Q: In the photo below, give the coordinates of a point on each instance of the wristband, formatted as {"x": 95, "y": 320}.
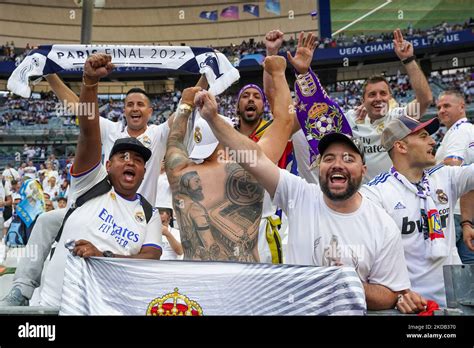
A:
{"x": 408, "y": 60}
{"x": 86, "y": 85}
{"x": 466, "y": 222}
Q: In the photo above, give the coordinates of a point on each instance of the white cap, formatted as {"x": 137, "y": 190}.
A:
{"x": 204, "y": 141}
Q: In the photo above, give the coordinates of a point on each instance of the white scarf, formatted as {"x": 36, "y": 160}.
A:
{"x": 435, "y": 241}
{"x": 51, "y": 59}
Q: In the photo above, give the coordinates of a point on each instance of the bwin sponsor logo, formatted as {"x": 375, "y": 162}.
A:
{"x": 37, "y": 331}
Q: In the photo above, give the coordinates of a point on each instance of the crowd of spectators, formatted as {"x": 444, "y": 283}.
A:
{"x": 26, "y": 112}
{"x": 9, "y": 52}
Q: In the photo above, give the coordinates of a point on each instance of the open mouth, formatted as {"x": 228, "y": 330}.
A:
{"x": 379, "y": 106}
{"x": 129, "y": 175}
{"x": 135, "y": 116}
{"x": 251, "y": 108}
{"x": 338, "y": 178}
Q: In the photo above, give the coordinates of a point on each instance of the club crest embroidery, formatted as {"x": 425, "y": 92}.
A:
{"x": 174, "y": 304}
{"x": 197, "y": 135}
{"x": 442, "y": 197}
{"x": 322, "y": 119}
{"x": 307, "y": 85}
{"x": 139, "y": 216}
{"x": 146, "y": 141}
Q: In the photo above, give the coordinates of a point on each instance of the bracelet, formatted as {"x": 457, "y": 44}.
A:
{"x": 89, "y": 86}
{"x": 408, "y": 60}
{"x": 466, "y": 222}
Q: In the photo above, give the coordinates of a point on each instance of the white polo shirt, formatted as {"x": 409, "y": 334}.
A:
{"x": 447, "y": 184}
{"x": 109, "y": 222}
{"x": 369, "y": 134}
{"x": 366, "y": 239}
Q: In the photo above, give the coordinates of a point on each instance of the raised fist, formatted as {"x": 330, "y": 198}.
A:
{"x": 273, "y": 41}
{"x": 274, "y": 65}
{"x": 207, "y": 105}
{"x": 189, "y": 94}
{"x": 98, "y": 65}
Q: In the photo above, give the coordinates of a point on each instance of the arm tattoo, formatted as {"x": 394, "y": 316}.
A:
{"x": 176, "y": 152}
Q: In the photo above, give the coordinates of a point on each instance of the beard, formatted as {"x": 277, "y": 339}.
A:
{"x": 353, "y": 186}
{"x": 196, "y": 195}
{"x": 250, "y": 119}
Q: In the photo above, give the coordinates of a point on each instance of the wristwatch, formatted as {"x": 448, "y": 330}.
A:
{"x": 108, "y": 253}
{"x": 184, "y": 106}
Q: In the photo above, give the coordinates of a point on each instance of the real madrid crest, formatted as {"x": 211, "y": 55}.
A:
{"x": 146, "y": 141}
{"x": 197, "y": 135}
{"x": 442, "y": 197}
{"x": 112, "y": 195}
{"x": 139, "y": 217}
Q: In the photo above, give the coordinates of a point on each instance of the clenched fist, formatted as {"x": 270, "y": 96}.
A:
{"x": 97, "y": 65}
{"x": 274, "y": 65}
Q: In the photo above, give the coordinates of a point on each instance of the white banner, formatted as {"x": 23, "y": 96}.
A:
{"x": 114, "y": 286}
{"x": 51, "y": 59}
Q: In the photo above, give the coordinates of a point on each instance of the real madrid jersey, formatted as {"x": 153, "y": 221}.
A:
{"x": 109, "y": 222}
{"x": 369, "y": 134}
{"x": 154, "y": 138}
{"x": 446, "y": 184}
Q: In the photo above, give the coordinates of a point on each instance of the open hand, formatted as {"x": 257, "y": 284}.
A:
{"x": 303, "y": 57}
{"x": 403, "y": 48}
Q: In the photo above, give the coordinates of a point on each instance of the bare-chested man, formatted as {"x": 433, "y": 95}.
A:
{"x": 218, "y": 204}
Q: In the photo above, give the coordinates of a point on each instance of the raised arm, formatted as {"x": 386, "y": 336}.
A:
{"x": 177, "y": 156}
{"x": 273, "y": 42}
{"x": 202, "y": 84}
{"x": 89, "y": 146}
{"x": 404, "y": 49}
{"x": 264, "y": 170}
{"x": 275, "y": 139}
{"x": 301, "y": 62}
{"x": 63, "y": 92}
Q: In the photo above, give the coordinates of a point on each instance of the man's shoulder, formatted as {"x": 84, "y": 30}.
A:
{"x": 380, "y": 180}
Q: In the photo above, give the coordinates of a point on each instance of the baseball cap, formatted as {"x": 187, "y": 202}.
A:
{"x": 132, "y": 144}
{"x": 204, "y": 140}
{"x": 400, "y": 127}
{"x": 332, "y": 138}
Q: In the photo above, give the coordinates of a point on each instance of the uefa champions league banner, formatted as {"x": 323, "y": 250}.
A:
{"x": 114, "y": 286}
{"x": 51, "y": 59}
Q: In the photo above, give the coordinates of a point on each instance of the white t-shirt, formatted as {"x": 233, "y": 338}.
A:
{"x": 455, "y": 145}
{"x": 366, "y": 239}
{"x": 446, "y": 184}
{"x": 369, "y": 134}
{"x": 154, "y": 138}
{"x": 456, "y": 142}
{"x": 168, "y": 252}
{"x": 113, "y": 223}
{"x": 4, "y": 191}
